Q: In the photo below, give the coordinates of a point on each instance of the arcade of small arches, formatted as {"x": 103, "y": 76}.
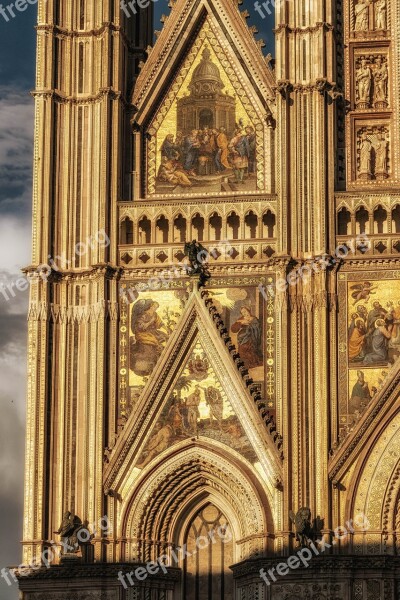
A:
{"x": 215, "y": 227}
{"x": 377, "y": 220}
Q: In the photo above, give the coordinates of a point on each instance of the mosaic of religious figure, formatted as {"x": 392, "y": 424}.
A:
{"x": 249, "y": 333}
{"x": 207, "y": 141}
{"x": 373, "y": 336}
{"x": 152, "y": 318}
{"x": 364, "y": 384}
{"x": 149, "y": 336}
{"x": 197, "y": 409}
{"x": 241, "y": 310}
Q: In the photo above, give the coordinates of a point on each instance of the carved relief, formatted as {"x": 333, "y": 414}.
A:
{"x": 361, "y": 13}
{"x": 380, "y": 14}
{"x": 74, "y": 595}
{"x": 381, "y": 76}
{"x": 371, "y": 82}
{"x": 373, "y": 156}
{"x": 311, "y": 591}
{"x": 370, "y": 16}
{"x": 363, "y": 84}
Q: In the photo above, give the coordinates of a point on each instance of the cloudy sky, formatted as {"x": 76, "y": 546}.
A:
{"x": 17, "y": 72}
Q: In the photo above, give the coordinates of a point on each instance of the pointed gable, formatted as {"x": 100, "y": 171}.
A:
{"x": 204, "y": 102}
{"x": 197, "y": 391}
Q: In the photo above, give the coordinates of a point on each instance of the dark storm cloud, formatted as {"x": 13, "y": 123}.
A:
{"x": 12, "y": 433}
{"x": 13, "y": 333}
{"x": 17, "y": 72}
{"x": 16, "y": 138}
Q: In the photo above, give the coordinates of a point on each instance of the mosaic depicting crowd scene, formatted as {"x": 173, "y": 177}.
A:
{"x": 207, "y": 152}
{"x": 374, "y": 335}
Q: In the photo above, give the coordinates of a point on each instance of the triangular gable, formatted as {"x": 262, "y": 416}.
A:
{"x": 197, "y": 407}
{"x": 204, "y": 117}
{"x": 228, "y": 28}
{"x": 196, "y": 334}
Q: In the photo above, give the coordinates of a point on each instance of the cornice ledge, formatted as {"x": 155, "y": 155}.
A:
{"x": 63, "y": 31}
{"x": 382, "y": 404}
{"x": 57, "y": 96}
{"x": 102, "y": 269}
{"x": 309, "y": 29}
{"x": 371, "y": 261}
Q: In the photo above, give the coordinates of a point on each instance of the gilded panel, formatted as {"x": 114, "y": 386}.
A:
{"x": 149, "y": 317}
{"x": 206, "y": 136}
{"x": 369, "y": 338}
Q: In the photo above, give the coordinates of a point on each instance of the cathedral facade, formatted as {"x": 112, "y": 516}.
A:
{"x": 235, "y": 435}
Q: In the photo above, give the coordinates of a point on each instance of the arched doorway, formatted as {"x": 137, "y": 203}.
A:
{"x": 209, "y": 547}
{"x": 206, "y": 119}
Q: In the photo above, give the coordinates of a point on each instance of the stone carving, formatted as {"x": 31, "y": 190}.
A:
{"x": 380, "y": 83}
{"x": 381, "y": 158}
{"x": 365, "y": 158}
{"x": 69, "y": 531}
{"x": 74, "y": 595}
{"x": 373, "y": 153}
{"x": 380, "y": 15}
{"x": 363, "y": 84}
{"x": 304, "y": 530}
{"x": 198, "y": 256}
{"x": 361, "y": 13}
{"x": 308, "y": 591}
{"x": 373, "y": 589}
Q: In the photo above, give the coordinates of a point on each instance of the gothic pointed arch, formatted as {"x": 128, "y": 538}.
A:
{"x": 375, "y": 487}
{"x": 161, "y": 505}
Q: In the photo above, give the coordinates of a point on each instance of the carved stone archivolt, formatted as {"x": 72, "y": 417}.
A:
{"x": 148, "y": 515}
{"x": 373, "y": 481}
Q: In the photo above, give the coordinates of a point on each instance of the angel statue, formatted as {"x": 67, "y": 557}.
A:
{"x": 198, "y": 256}
{"x": 303, "y": 525}
{"x": 68, "y": 531}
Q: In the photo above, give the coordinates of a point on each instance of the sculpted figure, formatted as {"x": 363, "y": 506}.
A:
{"x": 363, "y": 83}
{"x": 304, "y": 529}
{"x": 380, "y": 82}
{"x": 380, "y": 14}
{"x": 68, "y": 531}
{"x": 381, "y": 156}
{"x": 361, "y": 12}
{"x": 365, "y": 157}
{"x": 198, "y": 257}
